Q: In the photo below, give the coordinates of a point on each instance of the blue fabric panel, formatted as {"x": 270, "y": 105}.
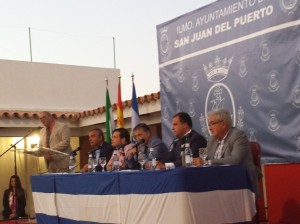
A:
{"x": 46, "y": 219}
{"x": 70, "y": 221}
{"x": 193, "y": 179}
{"x": 88, "y": 183}
{"x": 201, "y": 179}
{"x": 218, "y": 56}
{"x": 43, "y": 183}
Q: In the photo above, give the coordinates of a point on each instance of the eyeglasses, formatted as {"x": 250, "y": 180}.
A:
{"x": 212, "y": 123}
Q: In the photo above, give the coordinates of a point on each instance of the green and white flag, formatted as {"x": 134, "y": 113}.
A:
{"x": 110, "y": 123}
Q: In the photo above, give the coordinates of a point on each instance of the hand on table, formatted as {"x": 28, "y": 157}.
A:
{"x": 198, "y": 161}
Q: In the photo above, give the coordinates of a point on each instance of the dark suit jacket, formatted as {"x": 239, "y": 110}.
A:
{"x": 106, "y": 151}
{"x": 21, "y": 203}
{"x": 196, "y": 141}
{"x": 236, "y": 150}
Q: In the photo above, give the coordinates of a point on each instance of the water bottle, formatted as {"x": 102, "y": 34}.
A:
{"x": 115, "y": 161}
{"x": 188, "y": 154}
{"x": 182, "y": 158}
{"x": 152, "y": 159}
{"x": 97, "y": 153}
{"x": 72, "y": 164}
{"x": 90, "y": 163}
{"x": 96, "y": 161}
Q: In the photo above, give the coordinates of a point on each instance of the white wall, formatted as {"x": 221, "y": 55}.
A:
{"x": 39, "y": 86}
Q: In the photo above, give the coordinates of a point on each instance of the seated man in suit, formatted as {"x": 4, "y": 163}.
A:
{"x": 160, "y": 150}
{"x": 97, "y": 142}
{"x": 121, "y": 143}
{"x": 229, "y": 145}
{"x": 182, "y": 129}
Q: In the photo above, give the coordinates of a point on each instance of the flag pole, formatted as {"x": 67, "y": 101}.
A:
{"x": 120, "y": 118}
{"x": 135, "y": 120}
{"x": 114, "y": 50}
{"x": 110, "y": 126}
{"x": 30, "y": 47}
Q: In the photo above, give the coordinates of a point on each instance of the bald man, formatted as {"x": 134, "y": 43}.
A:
{"x": 56, "y": 136}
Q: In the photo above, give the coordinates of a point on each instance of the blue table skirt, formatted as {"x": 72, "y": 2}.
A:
{"x": 126, "y": 197}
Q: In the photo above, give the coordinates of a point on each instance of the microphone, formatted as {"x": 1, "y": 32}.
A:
{"x": 75, "y": 151}
{"x": 138, "y": 143}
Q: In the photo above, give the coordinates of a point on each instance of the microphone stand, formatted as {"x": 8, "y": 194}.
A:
{"x": 15, "y": 149}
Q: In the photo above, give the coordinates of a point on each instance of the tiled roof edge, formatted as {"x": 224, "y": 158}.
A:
{"x": 74, "y": 116}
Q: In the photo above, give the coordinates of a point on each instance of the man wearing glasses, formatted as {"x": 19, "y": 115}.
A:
{"x": 229, "y": 145}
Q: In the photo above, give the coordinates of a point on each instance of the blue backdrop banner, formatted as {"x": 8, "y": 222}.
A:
{"x": 243, "y": 55}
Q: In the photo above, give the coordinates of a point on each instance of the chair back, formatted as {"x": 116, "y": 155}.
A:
{"x": 260, "y": 202}
{"x": 256, "y": 153}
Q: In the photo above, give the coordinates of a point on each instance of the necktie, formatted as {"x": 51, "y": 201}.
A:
{"x": 218, "y": 153}
{"x": 146, "y": 150}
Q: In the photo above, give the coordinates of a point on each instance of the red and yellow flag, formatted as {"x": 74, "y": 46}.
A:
{"x": 120, "y": 119}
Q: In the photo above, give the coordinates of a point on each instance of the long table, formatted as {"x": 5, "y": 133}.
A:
{"x": 218, "y": 194}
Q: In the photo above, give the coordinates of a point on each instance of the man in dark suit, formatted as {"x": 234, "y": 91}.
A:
{"x": 97, "y": 142}
{"x": 182, "y": 128}
{"x": 96, "y": 139}
{"x": 123, "y": 150}
{"x": 229, "y": 145}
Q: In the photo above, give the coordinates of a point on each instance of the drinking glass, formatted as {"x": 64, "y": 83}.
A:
{"x": 203, "y": 155}
{"x": 142, "y": 159}
{"x": 102, "y": 161}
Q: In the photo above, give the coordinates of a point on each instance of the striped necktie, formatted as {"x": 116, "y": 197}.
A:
{"x": 219, "y": 151}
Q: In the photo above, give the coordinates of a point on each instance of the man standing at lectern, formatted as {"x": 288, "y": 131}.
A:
{"x": 55, "y": 136}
